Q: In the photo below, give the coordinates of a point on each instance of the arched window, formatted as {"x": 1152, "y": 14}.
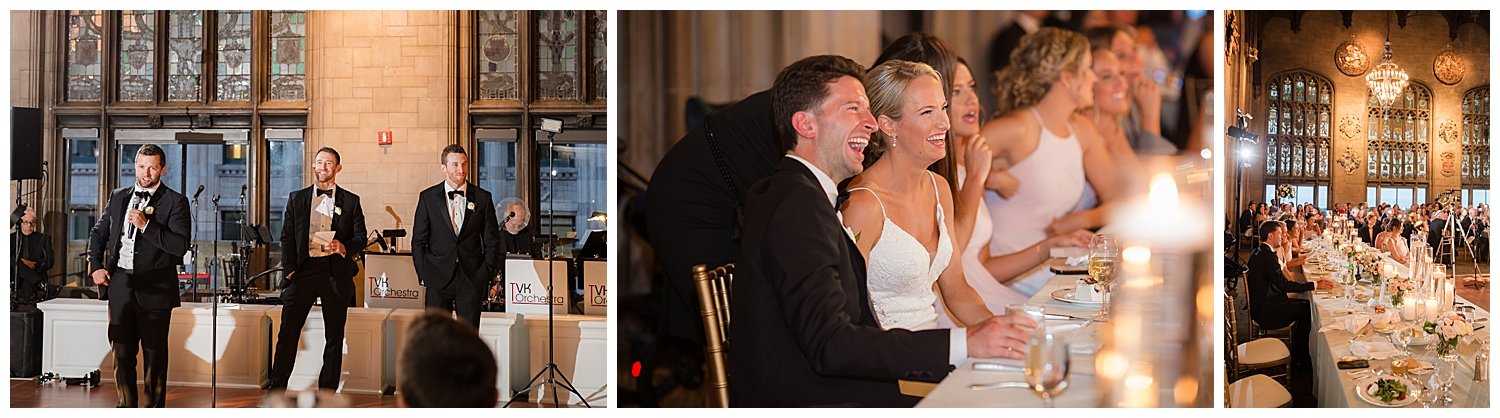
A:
{"x": 1398, "y": 138}
{"x": 1476, "y": 140}
{"x": 1298, "y": 119}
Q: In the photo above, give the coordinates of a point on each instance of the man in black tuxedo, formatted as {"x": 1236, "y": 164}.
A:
{"x": 803, "y": 333}
{"x": 455, "y": 240}
{"x": 1269, "y": 305}
{"x": 33, "y": 251}
{"x": 134, "y": 251}
{"x": 1370, "y": 228}
{"x": 321, "y": 239}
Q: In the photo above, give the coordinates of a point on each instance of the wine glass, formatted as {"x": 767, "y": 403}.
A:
{"x": 1047, "y": 363}
{"x": 1402, "y": 337}
{"x": 1104, "y": 256}
{"x": 1442, "y": 381}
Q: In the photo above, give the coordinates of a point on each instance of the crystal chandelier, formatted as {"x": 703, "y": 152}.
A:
{"x": 1387, "y": 80}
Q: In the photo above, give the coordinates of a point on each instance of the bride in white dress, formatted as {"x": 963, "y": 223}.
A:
{"x": 899, "y": 212}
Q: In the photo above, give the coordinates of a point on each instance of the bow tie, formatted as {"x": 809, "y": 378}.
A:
{"x": 328, "y": 192}
{"x": 455, "y": 192}
{"x": 143, "y": 194}
{"x": 842, "y": 197}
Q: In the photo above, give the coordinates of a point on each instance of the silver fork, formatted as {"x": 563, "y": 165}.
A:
{"x": 1000, "y": 385}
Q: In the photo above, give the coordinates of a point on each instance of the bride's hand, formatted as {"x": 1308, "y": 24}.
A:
{"x": 999, "y": 337}
{"x": 1079, "y": 238}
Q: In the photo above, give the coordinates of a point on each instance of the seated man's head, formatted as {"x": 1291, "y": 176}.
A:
{"x": 1271, "y": 232}
{"x": 822, "y": 114}
{"x": 28, "y": 222}
{"x": 444, "y": 364}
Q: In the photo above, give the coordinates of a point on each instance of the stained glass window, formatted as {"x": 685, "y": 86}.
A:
{"x": 557, "y": 54}
{"x": 234, "y": 56}
{"x": 84, "y": 72}
{"x": 184, "y": 55}
{"x": 1298, "y": 117}
{"x": 601, "y": 54}
{"x": 498, "y": 47}
{"x": 1399, "y": 140}
{"x": 1476, "y": 137}
{"x": 137, "y": 55}
{"x": 288, "y": 55}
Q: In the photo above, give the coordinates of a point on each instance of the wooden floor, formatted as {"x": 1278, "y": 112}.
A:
{"x": 26, "y": 393}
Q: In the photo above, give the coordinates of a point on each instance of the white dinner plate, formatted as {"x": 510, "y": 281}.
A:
{"x": 1066, "y": 295}
{"x": 1362, "y": 385}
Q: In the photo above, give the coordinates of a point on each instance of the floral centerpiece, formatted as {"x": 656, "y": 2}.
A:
{"x": 1397, "y": 288}
{"x": 1448, "y": 328}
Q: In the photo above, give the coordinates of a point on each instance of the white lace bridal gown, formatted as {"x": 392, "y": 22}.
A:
{"x": 902, "y": 273}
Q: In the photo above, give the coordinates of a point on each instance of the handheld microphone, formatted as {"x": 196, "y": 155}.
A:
{"x": 512, "y": 214}
{"x": 199, "y": 192}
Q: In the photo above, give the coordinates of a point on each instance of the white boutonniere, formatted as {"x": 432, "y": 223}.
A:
{"x": 338, "y": 211}
{"x": 150, "y": 210}
{"x": 471, "y": 205}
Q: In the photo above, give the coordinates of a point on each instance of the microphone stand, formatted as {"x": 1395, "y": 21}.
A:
{"x": 550, "y": 370}
{"x": 213, "y": 382}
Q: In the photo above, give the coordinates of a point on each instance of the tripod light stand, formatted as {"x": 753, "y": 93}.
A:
{"x": 552, "y": 127}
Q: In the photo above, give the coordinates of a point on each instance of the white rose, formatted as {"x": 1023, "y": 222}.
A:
{"x": 1463, "y": 328}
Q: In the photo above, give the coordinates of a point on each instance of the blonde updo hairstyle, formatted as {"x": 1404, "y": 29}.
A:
{"x": 886, "y": 87}
{"x": 1036, "y": 64}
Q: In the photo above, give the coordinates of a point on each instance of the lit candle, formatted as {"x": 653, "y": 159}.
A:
{"x": 1409, "y": 310}
{"x": 1431, "y": 308}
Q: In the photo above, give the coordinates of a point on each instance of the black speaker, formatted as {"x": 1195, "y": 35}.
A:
{"x": 25, "y": 341}
{"x": 26, "y": 143}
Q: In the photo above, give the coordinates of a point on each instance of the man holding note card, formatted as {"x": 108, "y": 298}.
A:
{"x": 323, "y": 233}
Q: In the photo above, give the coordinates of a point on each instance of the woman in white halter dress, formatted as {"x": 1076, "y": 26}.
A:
{"x": 1053, "y": 151}
{"x": 899, "y": 212}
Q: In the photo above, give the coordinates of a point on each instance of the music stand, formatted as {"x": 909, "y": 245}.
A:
{"x": 550, "y": 370}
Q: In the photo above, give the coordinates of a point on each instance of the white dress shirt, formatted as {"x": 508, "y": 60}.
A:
{"x": 127, "y": 240}
{"x": 457, "y": 204}
{"x": 958, "y": 341}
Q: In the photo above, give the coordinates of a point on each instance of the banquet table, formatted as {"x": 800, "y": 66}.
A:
{"x": 1329, "y": 340}
{"x": 954, "y": 391}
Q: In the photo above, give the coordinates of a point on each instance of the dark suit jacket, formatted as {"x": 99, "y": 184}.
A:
{"x": 348, "y": 229}
{"x": 158, "y": 248}
{"x": 1435, "y": 230}
{"x": 35, "y": 247}
{"x": 690, "y": 210}
{"x": 1269, "y": 305}
{"x": 475, "y": 250}
{"x": 1367, "y": 235}
{"x": 803, "y": 333}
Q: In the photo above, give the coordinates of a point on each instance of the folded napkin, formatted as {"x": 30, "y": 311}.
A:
{"x": 1069, "y": 252}
{"x": 1372, "y": 350}
{"x": 1351, "y": 323}
{"x": 1077, "y": 261}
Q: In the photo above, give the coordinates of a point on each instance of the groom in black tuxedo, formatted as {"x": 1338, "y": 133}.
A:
{"x": 1269, "y": 305}
{"x": 456, "y": 240}
{"x": 318, "y": 269}
{"x": 134, "y": 251}
{"x": 803, "y": 333}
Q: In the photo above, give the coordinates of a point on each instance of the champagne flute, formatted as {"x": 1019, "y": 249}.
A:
{"x": 1047, "y": 364}
{"x": 1104, "y": 256}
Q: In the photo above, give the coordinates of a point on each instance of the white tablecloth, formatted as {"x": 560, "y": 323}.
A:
{"x": 954, "y": 391}
{"x": 1335, "y": 388}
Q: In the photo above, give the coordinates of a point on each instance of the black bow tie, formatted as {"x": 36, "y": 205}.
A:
{"x": 843, "y": 196}
{"x": 328, "y": 192}
{"x": 143, "y": 194}
{"x": 451, "y": 193}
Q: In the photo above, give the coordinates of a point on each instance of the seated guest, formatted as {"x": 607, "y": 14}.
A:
{"x": 1269, "y": 305}
{"x": 1391, "y": 242}
{"x": 1370, "y": 228}
{"x": 444, "y": 364}
{"x": 34, "y": 250}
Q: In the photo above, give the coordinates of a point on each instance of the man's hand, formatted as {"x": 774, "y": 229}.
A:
{"x": 1324, "y": 284}
{"x": 336, "y": 247}
{"x": 101, "y": 277}
{"x": 1000, "y": 337}
{"x": 29, "y": 264}
{"x": 137, "y": 218}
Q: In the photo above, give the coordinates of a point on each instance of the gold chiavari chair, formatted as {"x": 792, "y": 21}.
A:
{"x": 713, "y": 296}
